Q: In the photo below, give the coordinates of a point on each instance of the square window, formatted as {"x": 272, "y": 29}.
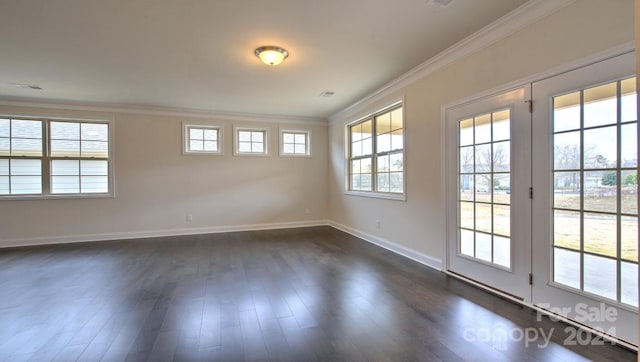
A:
{"x": 251, "y": 141}
{"x": 295, "y": 143}
{"x": 202, "y": 139}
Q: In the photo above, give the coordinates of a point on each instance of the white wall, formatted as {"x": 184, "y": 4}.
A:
{"x": 156, "y": 185}
{"x": 583, "y": 28}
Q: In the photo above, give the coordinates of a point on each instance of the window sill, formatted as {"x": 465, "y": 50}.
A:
{"x": 55, "y": 197}
{"x": 295, "y": 155}
{"x": 202, "y": 153}
{"x": 250, "y": 154}
{"x": 377, "y": 195}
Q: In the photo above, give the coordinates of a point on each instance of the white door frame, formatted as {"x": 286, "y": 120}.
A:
{"x": 594, "y": 58}
{"x": 511, "y": 280}
{"x": 546, "y": 292}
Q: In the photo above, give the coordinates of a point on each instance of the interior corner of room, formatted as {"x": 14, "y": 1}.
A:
{"x": 183, "y": 169}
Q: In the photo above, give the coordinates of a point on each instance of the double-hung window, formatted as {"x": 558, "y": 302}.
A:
{"x": 376, "y": 153}
{"x": 40, "y": 157}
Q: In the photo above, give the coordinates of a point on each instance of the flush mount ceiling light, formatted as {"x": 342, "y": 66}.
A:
{"x": 271, "y": 55}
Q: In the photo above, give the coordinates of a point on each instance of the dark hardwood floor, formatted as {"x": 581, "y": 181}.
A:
{"x": 298, "y": 294}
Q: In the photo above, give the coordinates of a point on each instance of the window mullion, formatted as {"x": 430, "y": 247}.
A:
{"x": 9, "y": 173}
{"x": 10, "y": 154}
{"x": 619, "y": 194}
{"x": 582, "y": 183}
{"x": 374, "y": 155}
{"x": 45, "y": 159}
{"x": 80, "y": 170}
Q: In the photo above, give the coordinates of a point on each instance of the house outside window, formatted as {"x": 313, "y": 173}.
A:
{"x": 54, "y": 158}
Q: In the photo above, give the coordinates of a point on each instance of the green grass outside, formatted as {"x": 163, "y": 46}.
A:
{"x": 629, "y": 203}
{"x": 599, "y": 230}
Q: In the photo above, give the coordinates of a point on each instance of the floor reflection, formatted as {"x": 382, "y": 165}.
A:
{"x": 301, "y": 294}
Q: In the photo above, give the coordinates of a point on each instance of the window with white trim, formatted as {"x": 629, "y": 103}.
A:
{"x": 295, "y": 143}
{"x": 251, "y": 141}
{"x": 40, "y": 157}
{"x": 595, "y": 190}
{"x": 376, "y": 153}
{"x": 202, "y": 139}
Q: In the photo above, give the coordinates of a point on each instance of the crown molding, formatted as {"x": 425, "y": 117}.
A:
{"x": 523, "y": 16}
{"x": 613, "y": 52}
{"x": 164, "y": 111}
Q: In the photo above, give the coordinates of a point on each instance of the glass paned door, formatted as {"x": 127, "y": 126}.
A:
{"x": 488, "y": 223}
{"x": 595, "y": 210}
{"x": 485, "y": 186}
{"x": 585, "y": 218}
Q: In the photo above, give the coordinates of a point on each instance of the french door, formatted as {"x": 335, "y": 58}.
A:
{"x": 585, "y": 208}
{"x": 488, "y": 178}
{"x": 543, "y": 200}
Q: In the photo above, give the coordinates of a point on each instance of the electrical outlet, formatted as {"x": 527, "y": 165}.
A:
{"x": 378, "y": 224}
{"x": 189, "y": 217}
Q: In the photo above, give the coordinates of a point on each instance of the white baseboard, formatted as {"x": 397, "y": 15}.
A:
{"x": 424, "y": 259}
{"x": 157, "y": 233}
{"x": 421, "y": 258}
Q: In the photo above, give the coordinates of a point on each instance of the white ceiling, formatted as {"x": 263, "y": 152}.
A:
{"x": 198, "y": 54}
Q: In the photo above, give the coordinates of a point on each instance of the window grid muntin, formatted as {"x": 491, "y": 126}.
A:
{"x": 203, "y": 140}
{"x": 473, "y": 174}
{"x": 304, "y": 144}
{"x": 373, "y": 156}
{"x": 79, "y": 158}
{"x": 380, "y": 132}
{"x": 10, "y": 176}
{"x": 362, "y": 156}
{"x": 10, "y": 157}
{"x": 253, "y": 144}
{"x": 81, "y": 140}
{"x": 618, "y": 169}
{"x": 80, "y": 175}
{"x": 11, "y": 138}
{"x": 46, "y": 160}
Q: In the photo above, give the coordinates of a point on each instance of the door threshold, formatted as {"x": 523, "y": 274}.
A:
{"x": 487, "y": 287}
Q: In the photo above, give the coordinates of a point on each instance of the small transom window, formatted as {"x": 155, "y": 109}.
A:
{"x": 295, "y": 143}
{"x": 202, "y": 139}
